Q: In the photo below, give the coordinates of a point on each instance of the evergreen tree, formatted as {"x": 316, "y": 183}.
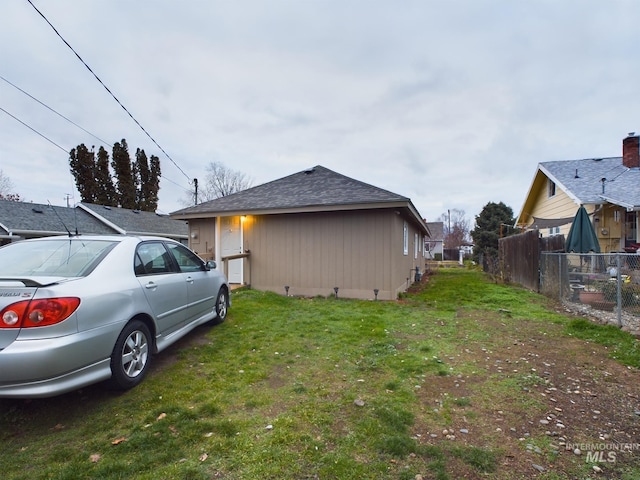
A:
{"x": 491, "y": 224}
{"x": 147, "y": 181}
{"x": 106, "y": 192}
{"x": 153, "y": 185}
{"x": 82, "y": 164}
{"x": 134, "y": 185}
{"x": 141, "y": 174}
{"x": 124, "y": 173}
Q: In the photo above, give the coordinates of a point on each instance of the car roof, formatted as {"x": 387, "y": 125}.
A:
{"x": 114, "y": 238}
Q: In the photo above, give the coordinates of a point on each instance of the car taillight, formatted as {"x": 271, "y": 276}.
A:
{"x": 38, "y": 313}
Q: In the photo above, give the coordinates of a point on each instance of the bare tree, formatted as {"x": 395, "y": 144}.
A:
{"x": 456, "y": 228}
{"x": 219, "y": 181}
{"x": 6, "y": 187}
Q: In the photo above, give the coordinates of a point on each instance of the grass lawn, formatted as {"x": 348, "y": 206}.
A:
{"x": 461, "y": 378}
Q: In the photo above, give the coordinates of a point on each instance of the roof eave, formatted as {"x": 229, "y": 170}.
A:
{"x": 630, "y": 207}
{"x": 308, "y": 209}
{"x": 159, "y": 234}
{"x": 563, "y": 187}
{"x": 47, "y": 233}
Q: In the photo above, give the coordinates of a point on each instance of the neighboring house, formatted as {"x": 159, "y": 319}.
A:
{"x": 137, "y": 222}
{"x": 310, "y": 233}
{"x": 434, "y": 245}
{"x": 21, "y": 220}
{"x": 609, "y": 188}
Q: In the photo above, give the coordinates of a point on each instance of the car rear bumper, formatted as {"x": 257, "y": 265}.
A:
{"x": 48, "y": 367}
{"x": 57, "y": 385}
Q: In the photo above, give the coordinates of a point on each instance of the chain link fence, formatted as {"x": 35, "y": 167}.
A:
{"x": 605, "y": 281}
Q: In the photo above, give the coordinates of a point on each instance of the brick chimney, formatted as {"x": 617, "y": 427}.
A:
{"x": 631, "y": 151}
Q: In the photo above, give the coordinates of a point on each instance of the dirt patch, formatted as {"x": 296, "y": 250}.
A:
{"x": 550, "y": 403}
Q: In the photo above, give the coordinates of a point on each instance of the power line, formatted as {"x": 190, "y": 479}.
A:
{"x": 107, "y": 89}
{"x": 34, "y": 130}
{"x": 106, "y": 144}
{"x": 66, "y": 151}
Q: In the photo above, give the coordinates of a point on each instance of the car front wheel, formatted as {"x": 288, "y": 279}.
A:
{"x": 221, "y": 304}
{"x": 131, "y": 356}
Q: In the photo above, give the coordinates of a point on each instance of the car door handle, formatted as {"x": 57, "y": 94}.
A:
{"x": 189, "y": 280}
{"x": 150, "y": 286}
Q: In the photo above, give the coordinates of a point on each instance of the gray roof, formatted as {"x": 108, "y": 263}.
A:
{"x": 33, "y": 219}
{"x": 315, "y": 187}
{"x": 437, "y": 230}
{"x": 36, "y": 220}
{"x": 582, "y": 181}
{"x": 136, "y": 222}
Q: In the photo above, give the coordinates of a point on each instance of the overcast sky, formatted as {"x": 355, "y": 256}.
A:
{"x": 451, "y": 103}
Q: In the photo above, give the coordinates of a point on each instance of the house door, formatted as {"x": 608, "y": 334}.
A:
{"x": 231, "y": 244}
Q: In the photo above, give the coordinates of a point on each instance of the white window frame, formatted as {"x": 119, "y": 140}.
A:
{"x": 405, "y": 239}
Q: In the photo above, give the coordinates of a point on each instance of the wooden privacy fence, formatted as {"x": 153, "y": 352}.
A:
{"x": 520, "y": 257}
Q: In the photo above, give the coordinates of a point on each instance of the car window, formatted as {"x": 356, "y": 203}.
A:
{"x": 187, "y": 260}
{"x": 152, "y": 258}
{"x": 73, "y": 257}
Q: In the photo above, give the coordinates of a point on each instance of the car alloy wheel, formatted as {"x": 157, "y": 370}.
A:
{"x": 221, "y": 304}
{"x": 131, "y": 355}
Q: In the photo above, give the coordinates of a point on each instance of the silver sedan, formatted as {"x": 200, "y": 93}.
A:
{"x": 82, "y": 309}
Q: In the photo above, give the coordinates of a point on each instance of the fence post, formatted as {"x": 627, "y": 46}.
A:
{"x": 560, "y": 277}
{"x": 618, "y": 290}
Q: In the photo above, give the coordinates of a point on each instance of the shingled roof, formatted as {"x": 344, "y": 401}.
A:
{"x": 596, "y": 180}
{"x": 317, "y": 188}
{"x": 24, "y": 219}
{"x": 136, "y": 222}
{"x": 29, "y": 220}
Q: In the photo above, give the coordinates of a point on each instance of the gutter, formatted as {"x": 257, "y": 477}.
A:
{"x": 628, "y": 206}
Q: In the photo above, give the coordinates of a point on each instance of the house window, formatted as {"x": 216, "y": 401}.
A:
{"x": 631, "y": 235}
{"x": 416, "y": 241}
{"x": 552, "y": 188}
{"x": 406, "y": 238}
{"x": 554, "y": 231}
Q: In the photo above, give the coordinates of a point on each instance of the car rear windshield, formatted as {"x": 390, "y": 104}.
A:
{"x": 70, "y": 257}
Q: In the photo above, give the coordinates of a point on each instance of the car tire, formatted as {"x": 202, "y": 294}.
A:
{"x": 222, "y": 305}
{"x": 131, "y": 356}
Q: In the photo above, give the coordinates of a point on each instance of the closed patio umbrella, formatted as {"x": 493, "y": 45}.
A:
{"x": 582, "y": 236}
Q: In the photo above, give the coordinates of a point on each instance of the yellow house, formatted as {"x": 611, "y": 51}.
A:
{"x": 609, "y": 188}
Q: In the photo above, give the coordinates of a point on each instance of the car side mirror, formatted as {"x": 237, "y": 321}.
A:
{"x": 211, "y": 265}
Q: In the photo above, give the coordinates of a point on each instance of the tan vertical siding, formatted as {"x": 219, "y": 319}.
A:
{"x": 204, "y": 244}
{"x": 314, "y": 252}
